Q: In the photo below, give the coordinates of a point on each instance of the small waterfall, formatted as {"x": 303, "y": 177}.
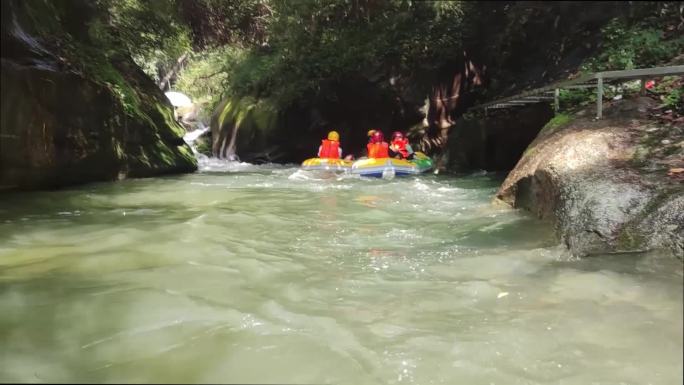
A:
{"x": 191, "y": 136}
{"x": 206, "y": 163}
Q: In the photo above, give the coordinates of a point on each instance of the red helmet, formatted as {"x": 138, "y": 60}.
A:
{"x": 397, "y": 135}
{"x": 378, "y": 137}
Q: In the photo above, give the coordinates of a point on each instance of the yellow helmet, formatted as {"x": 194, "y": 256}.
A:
{"x": 333, "y": 135}
{"x": 371, "y": 132}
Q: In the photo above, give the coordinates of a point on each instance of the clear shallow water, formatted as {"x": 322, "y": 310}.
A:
{"x": 246, "y": 274}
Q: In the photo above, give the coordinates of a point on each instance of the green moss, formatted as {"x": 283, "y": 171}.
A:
{"x": 48, "y": 20}
{"x": 529, "y": 151}
{"x": 167, "y": 115}
{"x": 203, "y": 147}
{"x": 630, "y": 240}
{"x": 262, "y": 114}
{"x": 557, "y": 121}
{"x": 123, "y": 127}
{"x": 186, "y": 153}
{"x": 227, "y": 109}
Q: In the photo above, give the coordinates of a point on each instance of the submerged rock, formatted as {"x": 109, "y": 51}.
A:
{"x": 70, "y": 114}
{"x": 593, "y": 179}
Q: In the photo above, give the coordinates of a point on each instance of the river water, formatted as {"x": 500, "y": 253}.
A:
{"x": 264, "y": 274}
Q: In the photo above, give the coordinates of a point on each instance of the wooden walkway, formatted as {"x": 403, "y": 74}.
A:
{"x": 596, "y": 80}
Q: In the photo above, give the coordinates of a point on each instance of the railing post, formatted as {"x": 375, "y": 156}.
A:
{"x": 556, "y": 103}
{"x": 599, "y": 96}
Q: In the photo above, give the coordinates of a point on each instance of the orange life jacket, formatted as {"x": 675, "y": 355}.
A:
{"x": 330, "y": 149}
{"x": 377, "y": 150}
{"x": 400, "y": 147}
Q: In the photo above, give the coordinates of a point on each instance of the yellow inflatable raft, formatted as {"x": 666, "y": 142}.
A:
{"x": 326, "y": 164}
{"x": 390, "y": 167}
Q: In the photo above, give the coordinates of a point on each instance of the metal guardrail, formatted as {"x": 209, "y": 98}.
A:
{"x": 595, "y": 80}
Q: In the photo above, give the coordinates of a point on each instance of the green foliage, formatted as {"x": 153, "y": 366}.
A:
{"x": 559, "y": 120}
{"x": 675, "y": 99}
{"x": 571, "y": 98}
{"x": 293, "y": 48}
{"x": 318, "y": 41}
{"x": 150, "y": 30}
{"x": 216, "y": 23}
{"x": 671, "y": 90}
{"x": 644, "y": 42}
{"x": 236, "y": 110}
{"x": 207, "y": 75}
{"x": 298, "y": 51}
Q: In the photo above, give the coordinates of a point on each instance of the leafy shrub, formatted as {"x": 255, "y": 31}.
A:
{"x": 644, "y": 41}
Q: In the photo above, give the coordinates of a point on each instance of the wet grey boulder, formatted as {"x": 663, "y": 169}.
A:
{"x": 592, "y": 180}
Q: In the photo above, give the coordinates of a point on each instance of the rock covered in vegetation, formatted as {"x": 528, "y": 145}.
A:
{"x": 604, "y": 183}
{"x": 247, "y": 124}
{"x": 74, "y": 111}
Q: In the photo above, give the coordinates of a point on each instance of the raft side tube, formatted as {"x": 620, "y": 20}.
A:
{"x": 326, "y": 164}
{"x": 401, "y": 167}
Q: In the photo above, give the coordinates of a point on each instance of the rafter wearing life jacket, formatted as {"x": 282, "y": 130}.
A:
{"x": 399, "y": 145}
{"x": 378, "y": 148}
{"x": 330, "y": 148}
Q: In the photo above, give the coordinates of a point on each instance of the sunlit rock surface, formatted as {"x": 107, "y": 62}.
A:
{"x": 604, "y": 183}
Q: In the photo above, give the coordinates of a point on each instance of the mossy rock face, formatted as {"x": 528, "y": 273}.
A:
{"x": 203, "y": 144}
{"x": 247, "y": 128}
{"x": 62, "y": 125}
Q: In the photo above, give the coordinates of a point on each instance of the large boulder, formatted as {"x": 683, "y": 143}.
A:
{"x": 604, "y": 183}
{"x": 72, "y": 115}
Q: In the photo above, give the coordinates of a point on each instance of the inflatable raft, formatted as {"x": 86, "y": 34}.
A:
{"x": 390, "y": 167}
{"x": 320, "y": 164}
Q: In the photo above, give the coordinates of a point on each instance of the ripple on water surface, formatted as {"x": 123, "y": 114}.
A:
{"x": 264, "y": 274}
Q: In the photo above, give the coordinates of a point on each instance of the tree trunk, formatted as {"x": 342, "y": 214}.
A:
{"x": 164, "y": 82}
{"x": 446, "y": 100}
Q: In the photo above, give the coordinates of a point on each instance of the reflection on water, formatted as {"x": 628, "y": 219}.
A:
{"x": 263, "y": 274}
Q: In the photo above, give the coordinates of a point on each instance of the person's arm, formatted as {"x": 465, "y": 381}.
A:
{"x": 319, "y": 150}
{"x": 339, "y": 149}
